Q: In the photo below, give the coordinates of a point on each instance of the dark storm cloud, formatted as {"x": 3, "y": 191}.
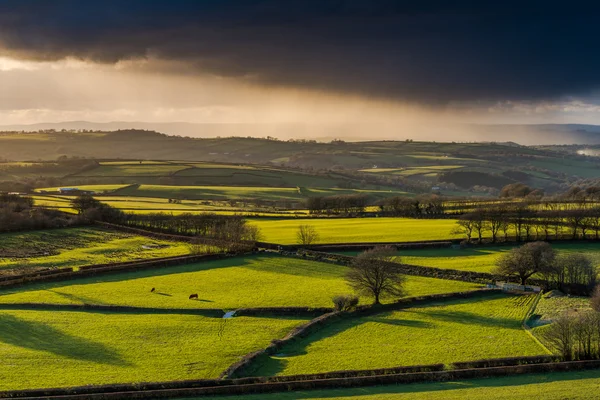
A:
{"x": 430, "y": 52}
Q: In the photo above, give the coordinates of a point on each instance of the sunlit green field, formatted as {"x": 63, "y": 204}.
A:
{"x": 582, "y": 385}
{"x": 251, "y": 281}
{"x": 357, "y": 230}
{"x": 480, "y": 258}
{"x": 57, "y": 349}
{"x": 122, "y": 170}
{"x": 445, "y": 332}
{"x": 73, "y": 247}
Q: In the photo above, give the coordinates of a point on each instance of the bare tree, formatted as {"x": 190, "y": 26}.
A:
{"x": 465, "y": 227}
{"x": 527, "y": 260}
{"x": 252, "y": 233}
{"x": 595, "y": 300}
{"x": 373, "y": 273}
{"x": 307, "y": 234}
{"x": 561, "y": 335}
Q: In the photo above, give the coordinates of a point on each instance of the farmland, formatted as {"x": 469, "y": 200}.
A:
{"x": 359, "y": 230}
{"x": 162, "y": 205}
{"x": 223, "y": 193}
{"x": 582, "y": 385}
{"x": 481, "y": 258}
{"x": 251, "y": 281}
{"x": 273, "y": 184}
{"x": 440, "y": 333}
{"x": 73, "y": 247}
{"x": 81, "y": 348}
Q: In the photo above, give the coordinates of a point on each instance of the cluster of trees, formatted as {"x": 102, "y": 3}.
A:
{"x": 17, "y": 214}
{"x": 576, "y": 335}
{"x": 527, "y": 221}
{"x": 91, "y": 209}
{"x": 569, "y": 272}
{"x": 520, "y": 190}
{"x": 428, "y": 205}
{"x": 341, "y": 204}
{"x": 230, "y": 228}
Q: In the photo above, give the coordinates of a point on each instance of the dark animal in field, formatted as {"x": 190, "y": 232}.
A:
{"x": 152, "y": 290}
{"x": 194, "y": 296}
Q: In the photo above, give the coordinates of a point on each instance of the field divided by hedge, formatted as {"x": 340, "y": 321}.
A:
{"x": 260, "y": 280}
{"x": 445, "y": 332}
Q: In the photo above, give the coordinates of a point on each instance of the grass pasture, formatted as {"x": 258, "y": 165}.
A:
{"x": 249, "y": 281}
{"x": 359, "y": 230}
{"x": 57, "y": 349}
{"x": 445, "y": 332}
{"x": 580, "y": 385}
{"x": 225, "y": 193}
{"x": 73, "y": 247}
{"x": 92, "y": 188}
{"x": 481, "y": 258}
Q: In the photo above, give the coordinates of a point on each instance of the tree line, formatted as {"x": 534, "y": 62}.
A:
{"x": 524, "y": 222}
{"x": 18, "y": 214}
{"x": 230, "y": 228}
{"x": 576, "y": 335}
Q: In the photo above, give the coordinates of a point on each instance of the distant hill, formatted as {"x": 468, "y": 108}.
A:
{"x": 409, "y": 165}
{"x": 541, "y": 134}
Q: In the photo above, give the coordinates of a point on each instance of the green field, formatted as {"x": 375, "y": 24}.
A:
{"x": 73, "y": 247}
{"x": 250, "y": 281}
{"x": 583, "y": 385}
{"x": 54, "y": 349}
{"x": 92, "y": 188}
{"x": 446, "y": 332}
{"x": 358, "y": 230}
{"x": 481, "y": 258}
{"x": 549, "y": 308}
{"x": 146, "y": 205}
{"x": 133, "y": 170}
{"x": 245, "y": 192}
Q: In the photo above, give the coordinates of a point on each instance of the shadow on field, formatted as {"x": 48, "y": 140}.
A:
{"x": 241, "y": 261}
{"x": 468, "y": 318}
{"x": 274, "y": 366}
{"x": 452, "y": 253}
{"x": 402, "y": 322}
{"x": 77, "y": 299}
{"x": 436, "y": 389}
{"x": 40, "y": 337}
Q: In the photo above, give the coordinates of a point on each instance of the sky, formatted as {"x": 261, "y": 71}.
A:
{"x": 404, "y": 65}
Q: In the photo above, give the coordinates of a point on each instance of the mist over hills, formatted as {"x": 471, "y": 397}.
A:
{"x": 534, "y": 134}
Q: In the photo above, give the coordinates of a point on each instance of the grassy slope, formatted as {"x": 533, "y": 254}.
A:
{"x": 74, "y": 247}
{"x": 252, "y": 281}
{"x": 355, "y": 230}
{"x": 52, "y": 349}
{"x": 556, "y": 386}
{"x": 449, "y": 332}
{"x": 245, "y": 192}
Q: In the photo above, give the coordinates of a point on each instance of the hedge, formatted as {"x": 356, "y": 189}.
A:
{"x": 503, "y": 362}
{"x": 247, "y": 363}
{"x": 247, "y": 385}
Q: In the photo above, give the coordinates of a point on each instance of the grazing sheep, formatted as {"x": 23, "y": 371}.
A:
{"x": 152, "y": 290}
{"x": 194, "y": 296}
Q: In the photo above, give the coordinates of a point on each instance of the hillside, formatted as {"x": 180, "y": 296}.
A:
{"x": 413, "y": 166}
